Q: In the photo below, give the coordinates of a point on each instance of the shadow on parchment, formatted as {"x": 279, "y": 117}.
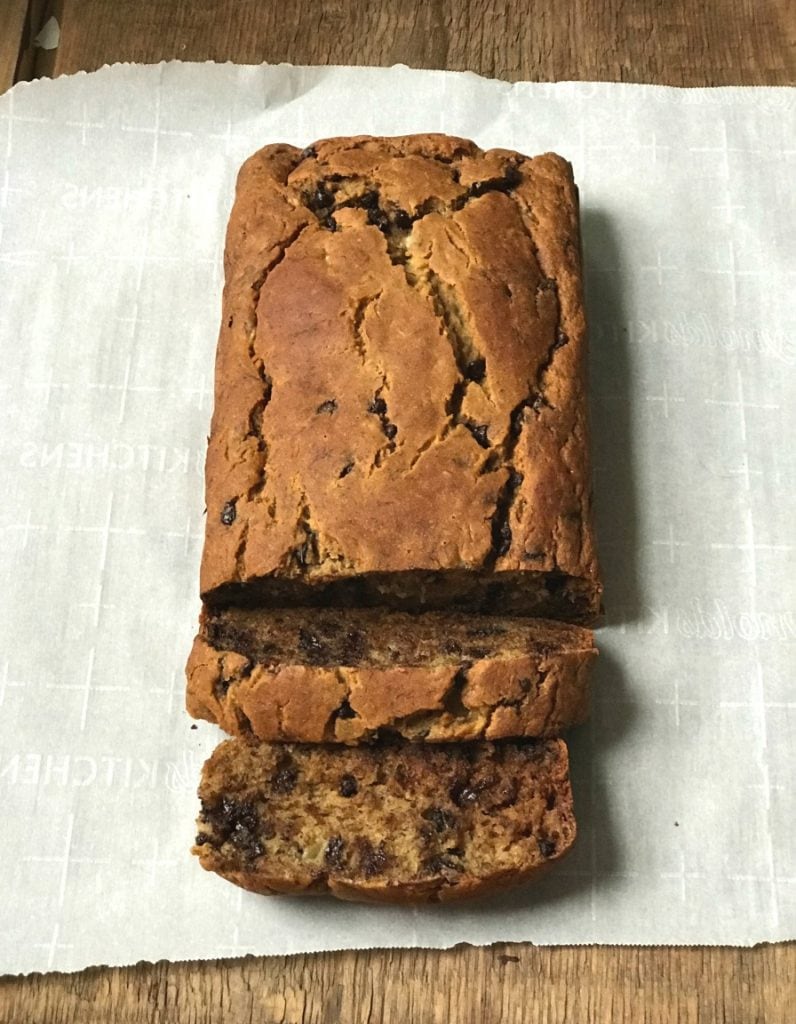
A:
{"x": 612, "y": 431}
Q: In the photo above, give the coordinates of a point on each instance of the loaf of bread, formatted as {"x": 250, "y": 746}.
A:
{"x": 396, "y": 823}
{"x": 400, "y": 408}
{"x": 398, "y": 498}
{"x": 312, "y": 675}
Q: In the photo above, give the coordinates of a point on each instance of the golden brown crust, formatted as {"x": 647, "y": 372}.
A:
{"x": 426, "y": 824}
{"x": 433, "y": 890}
{"x": 532, "y": 680}
{"x": 405, "y": 393}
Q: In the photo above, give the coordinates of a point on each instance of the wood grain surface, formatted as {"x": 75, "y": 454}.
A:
{"x": 515, "y": 984}
{"x": 13, "y": 15}
{"x": 677, "y": 42}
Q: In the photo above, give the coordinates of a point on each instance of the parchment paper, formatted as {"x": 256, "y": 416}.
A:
{"x": 114, "y": 192}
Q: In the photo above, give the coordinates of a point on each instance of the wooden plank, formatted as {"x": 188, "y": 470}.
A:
{"x": 12, "y": 33}
{"x": 507, "y": 984}
{"x": 715, "y": 42}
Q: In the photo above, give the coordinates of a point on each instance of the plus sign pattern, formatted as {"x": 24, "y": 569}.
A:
{"x": 114, "y": 192}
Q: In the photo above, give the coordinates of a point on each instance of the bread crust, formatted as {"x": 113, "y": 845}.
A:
{"x": 538, "y": 690}
{"x": 400, "y": 411}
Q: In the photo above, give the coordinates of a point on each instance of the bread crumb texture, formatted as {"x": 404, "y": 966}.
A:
{"x": 400, "y": 823}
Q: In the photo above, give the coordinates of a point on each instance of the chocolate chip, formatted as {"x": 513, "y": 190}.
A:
{"x": 378, "y": 218}
{"x": 229, "y": 513}
{"x": 513, "y": 177}
{"x": 284, "y": 781}
{"x": 321, "y": 199}
{"x": 502, "y": 539}
{"x": 533, "y": 556}
{"x": 372, "y": 859}
{"x": 537, "y": 401}
{"x": 237, "y": 822}
{"x": 390, "y": 430}
{"x": 561, "y": 339}
{"x": 346, "y": 469}
{"x": 475, "y": 370}
{"x": 463, "y": 794}
{"x": 247, "y": 843}
{"x": 402, "y": 220}
{"x": 348, "y": 786}
{"x": 203, "y": 839}
{"x": 309, "y": 153}
{"x": 314, "y": 647}
{"x": 546, "y": 847}
{"x": 378, "y": 407}
{"x": 479, "y": 432}
{"x": 439, "y": 818}
{"x": 345, "y": 711}
{"x": 329, "y": 406}
{"x": 335, "y": 852}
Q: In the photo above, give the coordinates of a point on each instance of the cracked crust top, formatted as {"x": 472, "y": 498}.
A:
{"x": 400, "y": 382}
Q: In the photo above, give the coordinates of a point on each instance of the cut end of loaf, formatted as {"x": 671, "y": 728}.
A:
{"x": 552, "y": 595}
{"x": 399, "y": 824}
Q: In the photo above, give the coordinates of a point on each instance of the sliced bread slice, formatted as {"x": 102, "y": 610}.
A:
{"x": 314, "y": 676}
{"x": 396, "y": 823}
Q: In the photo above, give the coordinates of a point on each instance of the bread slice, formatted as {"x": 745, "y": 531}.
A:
{"x": 346, "y": 676}
{"x": 396, "y": 823}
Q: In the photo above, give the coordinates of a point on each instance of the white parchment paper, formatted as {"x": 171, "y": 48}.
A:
{"x": 114, "y": 193}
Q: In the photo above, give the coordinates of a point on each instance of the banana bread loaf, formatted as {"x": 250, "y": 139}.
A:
{"x": 398, "y": 823}
{"x": 313, "y": 675}
{"x": 400, "y": 411}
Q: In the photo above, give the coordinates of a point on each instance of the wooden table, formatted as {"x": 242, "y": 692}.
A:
{"x": 713, "y": 42}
